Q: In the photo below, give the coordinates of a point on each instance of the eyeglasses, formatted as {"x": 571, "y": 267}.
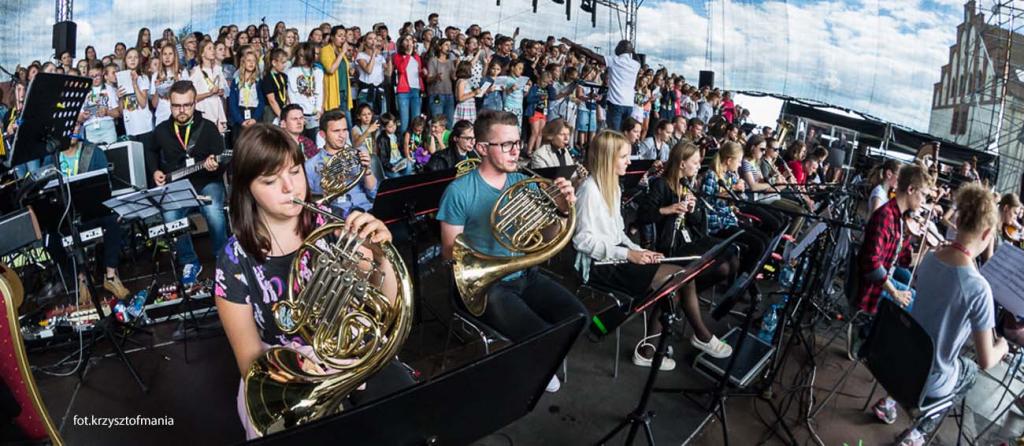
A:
{"x": 507, "y": 146}
{"x": 182, "y": 106}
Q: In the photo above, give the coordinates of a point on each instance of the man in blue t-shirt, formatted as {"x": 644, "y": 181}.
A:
{"x": 525, "y": 302}
{"x": 335, "y": 132}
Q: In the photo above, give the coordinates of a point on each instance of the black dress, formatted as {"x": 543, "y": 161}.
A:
{"x": 691, "y": 238}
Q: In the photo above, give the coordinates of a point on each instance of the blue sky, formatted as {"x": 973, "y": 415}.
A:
{"x": 877, "y": 56}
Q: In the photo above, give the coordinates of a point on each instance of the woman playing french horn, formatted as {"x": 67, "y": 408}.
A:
{"x": 254, "y": 272}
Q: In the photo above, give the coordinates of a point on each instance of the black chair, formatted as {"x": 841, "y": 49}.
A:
{"x": 461, "y": 317}
{"x": 899, "y": 353}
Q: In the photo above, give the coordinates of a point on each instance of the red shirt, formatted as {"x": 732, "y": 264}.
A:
{"x": 798, "y": 171}
{"x": 883, "y": 237}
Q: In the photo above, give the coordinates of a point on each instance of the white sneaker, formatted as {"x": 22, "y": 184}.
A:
{"x": 666, "y": 363}
{"x": 553, "y": 385}
{"x": 714, "y": 347}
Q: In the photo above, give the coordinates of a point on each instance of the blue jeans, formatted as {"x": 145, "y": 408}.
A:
{"x": 617, "y": 114}
{"x": 443, "y": 104}
{"x": 409, "y": 105}
{"x": 216, "y": 220}
{"x": 901, "y": 280}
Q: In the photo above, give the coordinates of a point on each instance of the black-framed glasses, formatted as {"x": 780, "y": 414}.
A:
{"x": 182, "y": 106}
{"x": 506, "y": 146}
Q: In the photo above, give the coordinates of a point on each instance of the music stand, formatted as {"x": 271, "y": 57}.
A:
{"x": 640, "y": 416}
{"x": 408, "y": 197}
{"x": 720, "y": 392}
{"x": 52, "y": 104}
{"x": 155, "y": 202}
{"x": 483, "y": 397}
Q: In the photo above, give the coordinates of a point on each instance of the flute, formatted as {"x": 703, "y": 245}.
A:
{"x": 662, "y": 260}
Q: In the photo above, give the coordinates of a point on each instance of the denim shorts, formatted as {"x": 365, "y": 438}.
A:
{"x": 586, "y": 121}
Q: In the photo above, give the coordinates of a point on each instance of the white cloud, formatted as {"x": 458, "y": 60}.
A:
{"x": 880, "y": 56}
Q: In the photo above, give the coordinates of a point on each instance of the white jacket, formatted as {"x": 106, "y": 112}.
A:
{"x": 600, "y": 234}
{"x": 545, "y": 156}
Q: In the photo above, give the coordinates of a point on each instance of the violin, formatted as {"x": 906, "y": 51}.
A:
{"x": 924, "y": 229}
{"x": 1011, "y": 232}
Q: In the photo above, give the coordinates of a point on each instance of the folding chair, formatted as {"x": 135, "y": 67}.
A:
{"x": 899, "y": 353}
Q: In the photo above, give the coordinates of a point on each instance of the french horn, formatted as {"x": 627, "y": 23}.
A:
{"x": 340, "y": 173}
{"x": 519, "y": 218}
{"x": 351, "y": 300}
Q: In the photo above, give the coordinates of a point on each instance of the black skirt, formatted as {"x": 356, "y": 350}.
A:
{"x": 629, "y": 278}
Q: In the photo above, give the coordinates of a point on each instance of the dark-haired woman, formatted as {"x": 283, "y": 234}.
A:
{"x": 253, "y": 271}
{"x": 671, "y": 204}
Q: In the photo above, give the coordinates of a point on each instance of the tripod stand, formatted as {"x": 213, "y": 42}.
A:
{"x": 156, "y": 202}
{"x": 640, "y": 416}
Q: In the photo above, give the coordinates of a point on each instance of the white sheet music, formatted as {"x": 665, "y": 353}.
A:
{"x": 1005, "y": 274}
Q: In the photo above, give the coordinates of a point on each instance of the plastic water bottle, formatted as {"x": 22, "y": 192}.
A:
{"x": 771, "y": 319}
{"x": 138, "y": 303}
{"x": 786, "y": 276}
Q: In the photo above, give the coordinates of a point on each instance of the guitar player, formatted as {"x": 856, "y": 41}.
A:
{"x": 181, "y": 142}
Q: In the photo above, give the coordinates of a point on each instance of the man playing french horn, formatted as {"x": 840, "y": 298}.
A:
{"x": 523, "y": 302}
{"x": 361, "y": 195}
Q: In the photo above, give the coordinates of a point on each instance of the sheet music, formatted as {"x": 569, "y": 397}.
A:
{"x": 484, "y": 87}
{"x": 812, "y": 235}
{"x": 176, "y": 195}
{"x": 1005, "y": 274}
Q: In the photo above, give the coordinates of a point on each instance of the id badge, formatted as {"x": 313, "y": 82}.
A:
{"x": 189, "y": 162}
{"x": 686, "y": 235}
{"x": 248, "y": 115}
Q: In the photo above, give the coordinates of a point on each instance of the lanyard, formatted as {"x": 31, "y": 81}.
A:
{"x": 209, "y": 83}
{"x": 957, "y": 246}
{"x": 69, "y": 165}
{"x": 188, "y": 132}
{"x": 282, "y": 92}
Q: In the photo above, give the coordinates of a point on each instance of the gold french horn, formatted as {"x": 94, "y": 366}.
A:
{"x": 354, "y": 311}
{"x": 466, "y": 166}
{"x": 340, "y": 174}
{"x": 518, "y": 221}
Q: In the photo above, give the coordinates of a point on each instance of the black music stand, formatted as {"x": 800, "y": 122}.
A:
{"x": 404, "y": 199}
{"x": 457, "y": 407}
{"x": 155, "y": 202}
{"x": 640, "y": 416}
{"x": 52, "y": 105}
{"x": 721, "y": 391}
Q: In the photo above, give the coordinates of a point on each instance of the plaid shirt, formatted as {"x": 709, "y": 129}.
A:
{"x": 882, "y": 237}
{"x": 722, "y": 217}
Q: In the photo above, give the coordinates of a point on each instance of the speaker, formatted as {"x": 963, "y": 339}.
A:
{"x": 707, "y": 79}
{"x": 127, "y": 164}
{"x": 64, "y": 38}
{"x": 19, "y": 229}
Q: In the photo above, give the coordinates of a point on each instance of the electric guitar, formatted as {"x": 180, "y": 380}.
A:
{"x": 185, "y": 172}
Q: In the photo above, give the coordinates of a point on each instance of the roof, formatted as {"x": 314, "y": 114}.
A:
{"x": 996, "y": 40}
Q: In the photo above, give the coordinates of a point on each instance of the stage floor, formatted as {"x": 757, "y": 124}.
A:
{"x": 200, "y": 395}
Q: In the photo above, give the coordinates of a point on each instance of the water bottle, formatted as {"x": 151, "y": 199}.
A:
{"x": 138, "y": 303}
{"x": 768, "y": 324}
{"x": 786, "y": 276}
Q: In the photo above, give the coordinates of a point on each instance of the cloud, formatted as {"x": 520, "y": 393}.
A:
{"x": 878, "y": 56}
